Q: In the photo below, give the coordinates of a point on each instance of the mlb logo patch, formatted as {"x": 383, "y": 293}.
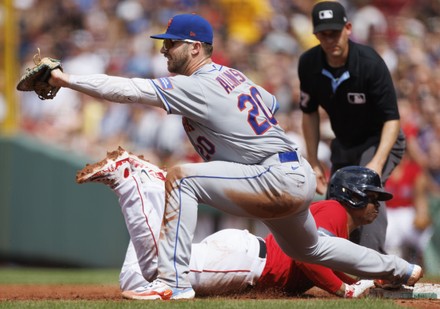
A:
{"x": 356, "y": 98}
{"x": 326, "y": 14}
{"x": 165, "y": 83}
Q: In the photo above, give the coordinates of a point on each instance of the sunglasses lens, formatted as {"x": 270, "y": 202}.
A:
{"x": 168, "y": 44}
{"x": 374, "y": 201}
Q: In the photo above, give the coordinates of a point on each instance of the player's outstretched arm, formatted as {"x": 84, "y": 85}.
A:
{"x": 329, "y": 281}
{"x": 111, "y": 88}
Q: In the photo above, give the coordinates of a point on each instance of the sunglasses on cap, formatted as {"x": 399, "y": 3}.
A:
{"x": 168, "y": 43}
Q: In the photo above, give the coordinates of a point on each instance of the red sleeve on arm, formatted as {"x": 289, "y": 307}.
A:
{"x": 297, "y": 277}
{"x": 346, "y": 278}
{"x": 321, "y": 276}
{"x": 332, "y": 218}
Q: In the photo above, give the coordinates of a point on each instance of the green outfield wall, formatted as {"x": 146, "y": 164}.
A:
{"x": 46, "y": 218}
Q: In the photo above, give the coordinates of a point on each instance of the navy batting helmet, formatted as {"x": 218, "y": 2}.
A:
{"x": 349, "y": 186}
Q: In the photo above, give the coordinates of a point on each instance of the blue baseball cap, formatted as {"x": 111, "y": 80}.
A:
{"x": 187, "y": 27}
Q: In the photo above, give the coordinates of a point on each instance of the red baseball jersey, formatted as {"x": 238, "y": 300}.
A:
{"x": 293, "y": 277}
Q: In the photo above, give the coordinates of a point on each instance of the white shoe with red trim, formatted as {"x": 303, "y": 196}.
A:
{"x": 159, "y": 290}
{"x": 109, "y": 171}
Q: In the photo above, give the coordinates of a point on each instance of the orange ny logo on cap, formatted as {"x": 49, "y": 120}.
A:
{"x": 169, "y": 22}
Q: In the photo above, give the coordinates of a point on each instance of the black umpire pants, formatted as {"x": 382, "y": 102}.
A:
{"x": 371, "y": 235}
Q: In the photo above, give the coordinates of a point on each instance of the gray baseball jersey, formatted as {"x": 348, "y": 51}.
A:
{"x": 205, "y": 95}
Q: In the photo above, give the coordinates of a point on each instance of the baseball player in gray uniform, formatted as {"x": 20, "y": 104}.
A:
{"x": 251, "y": 167}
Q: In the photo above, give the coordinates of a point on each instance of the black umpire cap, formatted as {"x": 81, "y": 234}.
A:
{"x": 328, "y": 15}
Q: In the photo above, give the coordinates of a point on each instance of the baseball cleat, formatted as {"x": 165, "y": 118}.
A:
{"x": 109, "y": 171}
{"x": 159, "y": 290}
{"x": 146, "y": 170}
{"x": 416, "y": 274}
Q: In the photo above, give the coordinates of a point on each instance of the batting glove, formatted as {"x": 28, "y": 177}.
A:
{"x": 357, "y": 289}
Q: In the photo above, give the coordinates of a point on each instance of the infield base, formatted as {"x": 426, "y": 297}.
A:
{"x": 419, "y": 291}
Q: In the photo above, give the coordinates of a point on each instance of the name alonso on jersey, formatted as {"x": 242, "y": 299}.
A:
{"x": 230, "y": 79}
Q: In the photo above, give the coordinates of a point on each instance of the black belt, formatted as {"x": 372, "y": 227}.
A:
{"x": 263, "y": 249}
{"x": 289, "y": 156}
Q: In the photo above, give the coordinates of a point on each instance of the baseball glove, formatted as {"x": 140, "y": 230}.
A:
{"x": 37, "y": 78}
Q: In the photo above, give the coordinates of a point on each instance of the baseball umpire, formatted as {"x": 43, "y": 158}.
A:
{"x": 352, "y": 84}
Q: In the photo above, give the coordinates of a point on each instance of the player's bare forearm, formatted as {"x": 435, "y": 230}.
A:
{"x": 59, "y": 78}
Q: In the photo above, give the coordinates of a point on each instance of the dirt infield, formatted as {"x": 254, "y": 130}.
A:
{"x": 111, "y": 292}
{"x": 56, "y": 292}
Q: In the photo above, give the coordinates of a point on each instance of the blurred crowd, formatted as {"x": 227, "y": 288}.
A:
{"x": 262, "y": 38}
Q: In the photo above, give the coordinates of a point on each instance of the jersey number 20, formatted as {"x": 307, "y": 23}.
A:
{"x": 255, "y": 100}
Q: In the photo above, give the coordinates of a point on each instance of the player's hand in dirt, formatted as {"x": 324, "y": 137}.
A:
{"x": 357, "y": 289}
